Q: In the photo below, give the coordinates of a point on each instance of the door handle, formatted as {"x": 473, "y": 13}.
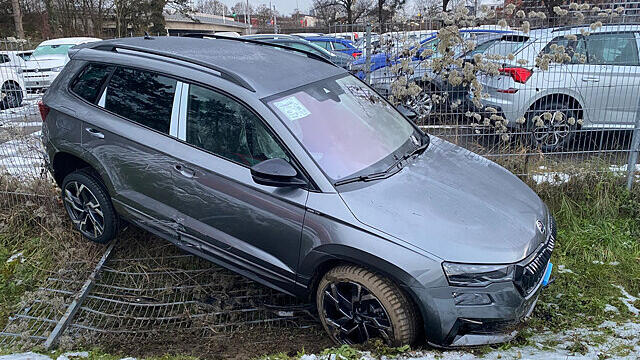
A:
{"x": 591, "y": 79}
{"x": 95, "y": 133}
{"x": 184, "y": 171}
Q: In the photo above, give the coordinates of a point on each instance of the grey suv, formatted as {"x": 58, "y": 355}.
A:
{"x": 285, "y": 168}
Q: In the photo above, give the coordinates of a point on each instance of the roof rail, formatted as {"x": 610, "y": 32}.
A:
{"x": 258, "y": 42}
{"x": 224, "y": 73}
{"x": 569, "y": 27}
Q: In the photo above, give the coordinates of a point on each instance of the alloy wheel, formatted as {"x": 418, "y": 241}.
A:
{"x": 354, "y": 314}
{"x": 421, "y": 104}
{"x": 84, "y": 209}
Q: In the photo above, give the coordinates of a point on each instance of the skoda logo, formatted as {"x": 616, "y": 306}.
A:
{"x": 541, "y": 226}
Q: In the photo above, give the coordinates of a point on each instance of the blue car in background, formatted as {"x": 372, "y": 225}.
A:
{"x": 381, "y": 60}
{"x": 335, "y": 44}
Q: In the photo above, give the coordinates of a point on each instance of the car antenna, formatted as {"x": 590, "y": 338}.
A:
{"x": 147, "y": 36}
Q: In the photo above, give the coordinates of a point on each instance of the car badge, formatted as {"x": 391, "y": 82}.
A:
{"x": 541, "y": 226}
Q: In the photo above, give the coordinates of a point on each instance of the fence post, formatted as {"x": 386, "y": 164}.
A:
{"x": 367, "y": 65}
{"x": 634, "y": 150}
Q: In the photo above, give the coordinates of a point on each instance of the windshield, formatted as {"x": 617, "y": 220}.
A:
{"x": 343, "y": 124}
{"x": 319, "y": 48}
{"x": 46, "y": 50}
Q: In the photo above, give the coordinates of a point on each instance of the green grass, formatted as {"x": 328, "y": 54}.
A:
{"x": 598, "y": 225}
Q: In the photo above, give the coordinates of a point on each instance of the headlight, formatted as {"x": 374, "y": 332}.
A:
{"x": 477, "y": 275}
{"x": 57, "y": 69}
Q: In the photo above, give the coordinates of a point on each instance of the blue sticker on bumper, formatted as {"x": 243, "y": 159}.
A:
{"x": 547, "y": 274}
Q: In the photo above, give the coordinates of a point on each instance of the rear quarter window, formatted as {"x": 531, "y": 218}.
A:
{"x": 141, "y": 96}
{"x": 89, "y": 82}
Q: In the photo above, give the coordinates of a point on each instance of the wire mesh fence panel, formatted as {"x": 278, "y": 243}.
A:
{"x": 21, "y": 151}
{"x": 148, "y": 290}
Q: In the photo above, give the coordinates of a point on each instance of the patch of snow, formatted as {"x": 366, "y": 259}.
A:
{"x": 15, "y": 257}
{"x": 614, "y": 263}
{"x": 628, "y": 300}
{"x": 25, "y": 356}
{"x": 553, "y": 178}
{"x": 611, "y": 308}
{"x": 563, "y": 269}
{"x": 597, "y": 262}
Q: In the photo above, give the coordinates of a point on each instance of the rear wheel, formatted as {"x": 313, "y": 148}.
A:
{"x": 10, "y": 95}
{"x": 89, "y": 206}
{"x": 356, "y": 305}
{"x": 552, "y": 124}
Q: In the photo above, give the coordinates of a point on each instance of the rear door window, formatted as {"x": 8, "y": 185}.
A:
{"x": 90, "y": 80}
{"x": 339, "y": 46}
{"x": 222, "y": 126}
{"x": 141, "y": 96}
{"x": 576, "y": 49}
{"x": 612, "y": 49}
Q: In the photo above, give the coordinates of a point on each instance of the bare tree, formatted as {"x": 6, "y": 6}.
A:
{"x": 17, "y": 18}
{"x": 387, "y": 8}
{"x": 215, "y": 7}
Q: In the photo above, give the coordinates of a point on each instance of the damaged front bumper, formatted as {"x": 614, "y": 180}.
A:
{"x": 473, "y": 316}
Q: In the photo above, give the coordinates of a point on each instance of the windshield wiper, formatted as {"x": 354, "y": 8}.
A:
{"x": 390, "y": 171}
{"x": 365, "y": 178}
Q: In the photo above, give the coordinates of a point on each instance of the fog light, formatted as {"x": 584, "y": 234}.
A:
{"x": 471, "y": 299}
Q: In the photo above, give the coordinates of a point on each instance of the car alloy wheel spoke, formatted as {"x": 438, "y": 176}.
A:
{"x": 356, "y": 320}
{"x": 84, "y": 209}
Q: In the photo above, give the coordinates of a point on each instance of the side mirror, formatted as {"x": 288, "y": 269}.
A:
{"x": 276, "y": 172}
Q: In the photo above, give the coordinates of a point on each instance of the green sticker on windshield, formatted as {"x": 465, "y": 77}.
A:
{"x": 292, "y": 108}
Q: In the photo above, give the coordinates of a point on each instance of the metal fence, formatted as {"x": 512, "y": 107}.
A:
{"x": 548, "y": 97}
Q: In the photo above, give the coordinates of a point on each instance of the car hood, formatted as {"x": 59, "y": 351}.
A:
{"x": 455, "y": 205}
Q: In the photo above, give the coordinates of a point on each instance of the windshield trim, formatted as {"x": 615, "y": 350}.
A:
{"x": 402, "y": 149}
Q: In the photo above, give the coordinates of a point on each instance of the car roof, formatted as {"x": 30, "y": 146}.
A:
{"x": 327, "y": 38}
{"x": 266, "y": 69}
{"x": 69, "y": 41}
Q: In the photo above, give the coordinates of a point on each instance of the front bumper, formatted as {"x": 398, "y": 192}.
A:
{"x": 449, "y": 325}
{"x": 38, "y": 81}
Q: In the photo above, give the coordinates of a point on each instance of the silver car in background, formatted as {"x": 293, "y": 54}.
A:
{"x": 595, "y": 86}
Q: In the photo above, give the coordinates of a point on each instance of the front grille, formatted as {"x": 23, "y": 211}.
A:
{"x": 529, "y": 275}
{"x": 35, "y": 70}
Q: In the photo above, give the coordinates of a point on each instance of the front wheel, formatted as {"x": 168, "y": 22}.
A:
{"x": 356, "y": 305}
{"x": 89, "y": 206}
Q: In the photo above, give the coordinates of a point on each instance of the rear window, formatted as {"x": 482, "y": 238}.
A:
{"x": 507, "y": 45}
{"x": 90, "y": 80}
{"x": 141, "y": 96}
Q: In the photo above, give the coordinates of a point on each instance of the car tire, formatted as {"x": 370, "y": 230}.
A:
{"x": 11, "y": 95}
{"x": 423, "y": 104}
{"x": 554, "y": 135}
{"x": 379, "y": 310}
{"x": 89, "y": 206}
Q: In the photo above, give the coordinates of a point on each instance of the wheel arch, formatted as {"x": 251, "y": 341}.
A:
{"x": 64, "y": 163}
{"x": 573, "y": 99}
{"x": 334, "y": 255}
